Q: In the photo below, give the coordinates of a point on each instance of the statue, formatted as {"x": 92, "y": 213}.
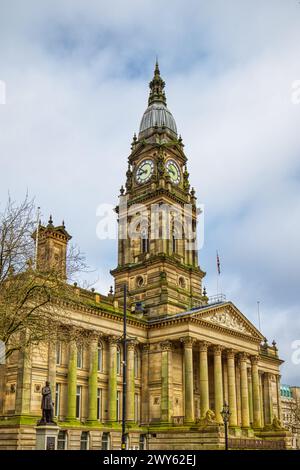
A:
{"x": 210, "y": 417}
{"x": 46, "y": 405}
{"x": 276, "y": 424}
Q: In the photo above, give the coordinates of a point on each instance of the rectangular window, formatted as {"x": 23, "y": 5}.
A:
{"x": 58, "y": 352}
{"x": 105, "y": 441}
{"x": 57, "y": 399}
{"x": 84, "y": 440}
{"x": 62, "y": 440}
{"x": 99, "y": 404}
{"x": 78, "y": 401}
{"x": 79, "y": 357}
{"x": 118, "y": 406}
{"x": 136, "y": 407}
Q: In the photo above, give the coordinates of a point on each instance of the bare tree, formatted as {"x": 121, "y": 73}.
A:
{"x": 31, "y": 298}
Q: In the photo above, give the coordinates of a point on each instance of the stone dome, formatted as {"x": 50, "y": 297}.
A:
{"x": 157, "y": 114}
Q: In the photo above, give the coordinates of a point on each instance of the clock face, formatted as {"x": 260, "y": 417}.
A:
{"x": 144, "y": 171}
{"x": 173, "y": 171}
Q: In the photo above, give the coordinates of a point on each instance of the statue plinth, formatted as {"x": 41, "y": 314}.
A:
{"x": 46, "y": 436}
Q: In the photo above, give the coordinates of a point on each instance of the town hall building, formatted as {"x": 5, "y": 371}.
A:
{"x": 187, "y": 354}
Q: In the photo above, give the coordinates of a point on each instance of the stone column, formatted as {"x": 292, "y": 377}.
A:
{"x": 72, "y": 381}
{"x": 188, "y": 379}
{"x": 218, "y": 382}
{"x": 145, "y": 384}
{"x": 112, "y": 379}
{"x": 261, "y": 398}
{"x": 231, "y": 388}
{"x": 130, "y": 381}
{"x": 267, "y": 397}
{"x": 244, "y": 391}
{"x": 23, "y": 391}
{"x": 238, "y": 393}
{"x": 93, "y": 379}
{"x": 225, "y": 382}
{"x": 52, "y": 366}
{"x": 279, "y": 408}
{"x": 250, "y": 395}
{"x": 256, "y": 393}
{"x": 203, "y": 374}
{"x": 166, "y": 382}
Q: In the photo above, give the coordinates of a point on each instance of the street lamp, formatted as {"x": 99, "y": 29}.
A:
{"x": 225, "y": 413}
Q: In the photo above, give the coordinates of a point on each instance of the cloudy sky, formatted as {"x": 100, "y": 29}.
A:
{"x": 76, "y": 75}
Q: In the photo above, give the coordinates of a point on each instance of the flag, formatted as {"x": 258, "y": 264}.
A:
{"x": 218, "y": 264}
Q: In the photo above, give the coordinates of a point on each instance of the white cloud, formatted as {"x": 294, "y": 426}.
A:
{"x": 76, "y": 76}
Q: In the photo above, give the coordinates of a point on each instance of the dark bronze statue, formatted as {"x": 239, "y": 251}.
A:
{"x": 47, "y": 405}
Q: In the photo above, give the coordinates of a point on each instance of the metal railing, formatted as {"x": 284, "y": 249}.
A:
{"x": 213, "y": 299}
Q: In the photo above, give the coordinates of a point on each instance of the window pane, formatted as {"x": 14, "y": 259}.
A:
{"x": 84, "y": 440}
{"x": 58, "y": 352}
{"x": 61, "y": 440}
{"x": 105, "y": 441}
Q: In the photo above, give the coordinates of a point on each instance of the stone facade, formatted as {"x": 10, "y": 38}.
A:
{"x": 187, "y": 355}
{"x": 290, "y": 404}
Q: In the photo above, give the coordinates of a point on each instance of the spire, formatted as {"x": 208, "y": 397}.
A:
{"x": 50, "y": 221}
{"x": 157, "y": 86}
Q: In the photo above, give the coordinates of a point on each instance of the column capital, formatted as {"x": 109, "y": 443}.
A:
{"x": 131, "y": 344}
{"x": 166, "y": 345}
{"x": 112, "y": 339}
{"x": 254, "y": 360}
{"x": 188, "y": 341}
{"x": 230, "y": 353}
{"x": 203, "y": 346}
{"x": 145, "y": 347}
{"x": 243, "y": 356}
{"x": 217, "y": 348}
{"x": 95, "y": 335}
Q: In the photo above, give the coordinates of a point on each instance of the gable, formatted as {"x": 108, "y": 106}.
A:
{"x": 229, "y": 317}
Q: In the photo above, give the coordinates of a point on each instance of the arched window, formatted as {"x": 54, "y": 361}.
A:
{"x": 84, "y": 440}
{"x": 118, "y": 360}
{"x": 100, "y": 357}
{"x": 105, "y": 443}
{"x": 136, "y": 363}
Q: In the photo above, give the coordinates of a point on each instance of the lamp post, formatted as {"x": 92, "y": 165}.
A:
{"x": 225, "y": 413}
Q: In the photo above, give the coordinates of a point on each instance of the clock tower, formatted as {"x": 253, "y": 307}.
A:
{"x": 157, "y": 217}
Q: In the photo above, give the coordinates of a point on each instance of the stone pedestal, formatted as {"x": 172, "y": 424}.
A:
{"x": 46, "y": 437}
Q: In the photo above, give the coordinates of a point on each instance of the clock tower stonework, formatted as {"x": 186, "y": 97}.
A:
{"x": 157, "y": 217}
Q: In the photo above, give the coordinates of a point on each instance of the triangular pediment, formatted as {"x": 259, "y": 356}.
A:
{"x": 228, "y": 316}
